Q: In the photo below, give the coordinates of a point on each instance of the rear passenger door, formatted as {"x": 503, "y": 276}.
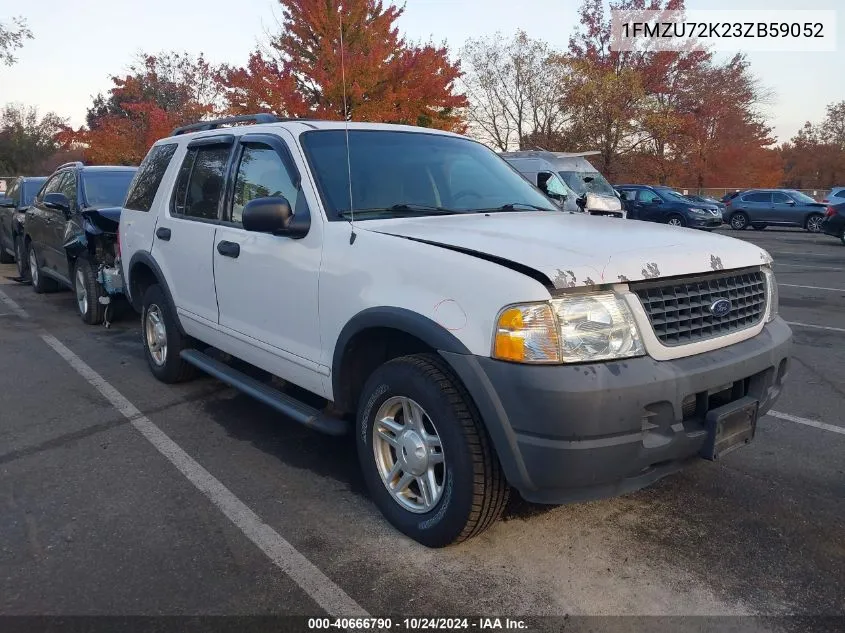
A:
{"x": 183, "y": 241}
{"x": 267, "y": 284}
{"x": 758, "y": 206}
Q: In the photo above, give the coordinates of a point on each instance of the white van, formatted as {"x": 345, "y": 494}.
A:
{"x": 587, "y": 189}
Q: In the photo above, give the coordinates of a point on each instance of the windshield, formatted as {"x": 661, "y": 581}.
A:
{"x": 803, "y": 198}
{"x": 397, "y": 173}
{"x": 598, "y": 184}
{"x": 106, "y": 188}
{"x": 671, "y": 195}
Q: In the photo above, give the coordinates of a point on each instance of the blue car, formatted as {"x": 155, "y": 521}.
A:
{"x": 667, "y": 206}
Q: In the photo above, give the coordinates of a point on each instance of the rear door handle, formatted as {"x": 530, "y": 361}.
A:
{"x": 163, "y": 233}
{"x": 228, "y": 249}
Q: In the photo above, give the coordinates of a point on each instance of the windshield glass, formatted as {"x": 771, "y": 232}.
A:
{"x": 106, "y": 188}
{"x": 674, "y": 196}
{"x": 803, "y": 198}
{"x": 397, "y": 173}
{"x": 598, "y": 184}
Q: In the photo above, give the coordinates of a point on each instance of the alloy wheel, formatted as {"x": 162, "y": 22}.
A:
{"x": 81, "y": 292}
{"x": 155, "y": 335}
{"x": 33, "y": 267}
{"x": 409, "y": 455}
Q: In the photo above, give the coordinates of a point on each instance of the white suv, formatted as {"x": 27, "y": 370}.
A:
{"x": 470, "y": 335}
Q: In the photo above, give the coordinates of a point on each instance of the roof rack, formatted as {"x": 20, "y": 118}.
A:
{"x": 216, "y": 123}
{"x": 75, "y": 163}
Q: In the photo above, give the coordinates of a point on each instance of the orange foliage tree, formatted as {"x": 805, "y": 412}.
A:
{"x": 160, "y": 92}
{"x": 387, "y": 79}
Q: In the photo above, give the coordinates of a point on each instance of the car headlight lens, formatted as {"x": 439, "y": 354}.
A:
{"x": 773, "y": 298}
{"x": 527, "y": 334}
{"x": 595, "y": 327}
{"x": 698, "y": 211}
{"x": 572, "y": 329}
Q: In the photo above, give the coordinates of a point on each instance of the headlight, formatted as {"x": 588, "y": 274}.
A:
{"x": 698, "y": 211}
{"x": 573, "y": 329}
{"x": 527, "y": 333}
{"x": 772, "y": 294}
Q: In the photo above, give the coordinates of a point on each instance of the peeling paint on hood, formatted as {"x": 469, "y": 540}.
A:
{"x": 576, "y": 250}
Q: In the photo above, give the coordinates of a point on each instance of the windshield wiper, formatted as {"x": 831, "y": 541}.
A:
{"x": 399, "y": 209}
{"x": 514, "y": 206}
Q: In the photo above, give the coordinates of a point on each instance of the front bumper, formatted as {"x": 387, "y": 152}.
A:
{"x": 577, "y": 432}
{"x": 705, "y": 222}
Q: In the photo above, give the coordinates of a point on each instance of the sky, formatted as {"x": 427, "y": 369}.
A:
{"x": 79, "y": 44}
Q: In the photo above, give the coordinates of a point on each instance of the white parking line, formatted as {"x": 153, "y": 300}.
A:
{"x": 816, "y": 327}
{"x": 805, "y": 421}
{"x": 303, "y": 572}
{"x": 812, "y": 287}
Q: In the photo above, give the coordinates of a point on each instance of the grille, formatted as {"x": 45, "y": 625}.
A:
{"x": 678, "y": 310}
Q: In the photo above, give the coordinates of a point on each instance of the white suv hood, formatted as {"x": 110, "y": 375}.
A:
{"x": 575, "y": 250}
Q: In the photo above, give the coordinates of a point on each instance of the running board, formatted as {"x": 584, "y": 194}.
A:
{"x": 283, "y": 403}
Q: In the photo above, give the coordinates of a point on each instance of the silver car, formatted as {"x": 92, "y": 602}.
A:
{"x": 760, "y": 208}
{"x": 836, "y": 196}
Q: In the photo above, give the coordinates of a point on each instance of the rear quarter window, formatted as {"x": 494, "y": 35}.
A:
{"x": 148, "y": 178}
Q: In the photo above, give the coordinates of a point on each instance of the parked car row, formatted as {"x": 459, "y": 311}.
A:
{"x": 410, "y": 288}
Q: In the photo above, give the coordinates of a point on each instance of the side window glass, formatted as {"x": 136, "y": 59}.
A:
{"x": 14, "y": 193}
{"x": 52, "y": 186}
{"x": 627, "y": 194}
{"x": 261, "y": 174}
{"x": 200, "y": 182}
{"x": 780, "y": 198}
{"x": 68, "y": 187}
{"x": 145, "y": 185}
{"x": 647, "y": 196}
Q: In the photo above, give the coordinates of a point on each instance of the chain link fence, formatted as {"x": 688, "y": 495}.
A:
{"x": 718, "y": 192}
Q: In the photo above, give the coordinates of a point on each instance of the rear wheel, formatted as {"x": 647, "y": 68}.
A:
{"x": 40, "y": 283}
{"x": 163, "y": 341}
{"x": 20, "y": 259}
{"x": 676, "y": 220}
{"x": 814, "y": 223}
{"x": 739, "y": 221}
{"x": 425, "y": 455}
{"x": 88, "y": 292}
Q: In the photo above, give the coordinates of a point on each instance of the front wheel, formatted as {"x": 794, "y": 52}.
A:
{"x": 40, "y": 283}
{"x": 739, "y": 221}
{"x": 814, "y": 223}
{"x": 163, "y": 341}
{"x": 425, "y": 455}
{"x": 20, "y": 260}
{"x": 676, "y": 220}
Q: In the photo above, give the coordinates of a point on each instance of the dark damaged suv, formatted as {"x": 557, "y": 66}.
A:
{"x": 70, "y": 235}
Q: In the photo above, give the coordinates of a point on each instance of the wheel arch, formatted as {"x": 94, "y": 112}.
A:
{"x": 142, "y": 272}
{"x": 376, "y": 335}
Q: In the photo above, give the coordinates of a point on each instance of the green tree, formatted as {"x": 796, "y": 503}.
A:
{"x": 12, "y": 37}
{"x": 27, "y": 141}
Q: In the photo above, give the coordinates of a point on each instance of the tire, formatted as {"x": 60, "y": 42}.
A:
{"x": 40, "y": 283}
{"x": 759, "y": 227}
{"x": 169, "y": 366}
{"x": 472, "y": 491}
{"x": 813, "y": 223}
{"x": 842, "y": 238}
{"x": 20, "y": 259}
{"x": 676, "y": 220}
{"x": 739, "y": 221}
{"x": 5, "y": 258}
{"x": 88, "y": 292}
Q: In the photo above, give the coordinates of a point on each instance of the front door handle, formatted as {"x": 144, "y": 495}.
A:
{"x": 163, "y": 233}
{"x": 228, "y": 249}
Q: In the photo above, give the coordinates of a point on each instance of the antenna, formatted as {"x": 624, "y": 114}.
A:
{"x": 346, "y": 126}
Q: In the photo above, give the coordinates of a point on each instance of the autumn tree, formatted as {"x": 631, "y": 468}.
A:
{"x": 515, "y": 91}
{"x": 12, "y": 37}
{"x": 27, "y": 140}
{"x": 387, "y": 79}
{"x": 158, "y": 93}
{"x": 815, "y": 157}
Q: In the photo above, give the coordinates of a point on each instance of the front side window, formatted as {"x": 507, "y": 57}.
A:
{"x": 780, "y": 198}
{"x": 261, "y": 174}
{"x": 68, "y": 187}
{"x": 200, "y": 182}
{"x": 52, "y": 185}
{"x": 147, "y": 179}
{"x": 106, "y": 188}
{"x": 648, "y": 196}
{"x": 402, "y": 173}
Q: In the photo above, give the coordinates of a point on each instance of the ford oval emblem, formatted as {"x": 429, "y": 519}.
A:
{"x": 720, "y": 307}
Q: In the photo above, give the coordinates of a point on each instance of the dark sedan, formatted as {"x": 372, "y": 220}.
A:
{"x": 779, "y": 207}
{"x": 19, "y": 196}
{"x": 834, "y": 221}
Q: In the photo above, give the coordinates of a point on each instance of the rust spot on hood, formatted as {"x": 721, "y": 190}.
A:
{"x": 716, "y": 263}
{"x": 651, "y": 271}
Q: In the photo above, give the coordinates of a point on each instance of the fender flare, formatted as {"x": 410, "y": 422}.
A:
{"x": 143, "y": 257}
{"x": 430, "y": 332}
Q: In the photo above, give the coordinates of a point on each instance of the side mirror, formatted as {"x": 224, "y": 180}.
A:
{"x": 791, "y": 203}
{"x": 657, "y": 201}
{"x": 57, "y": 201}
{"x": 274, "y": 216}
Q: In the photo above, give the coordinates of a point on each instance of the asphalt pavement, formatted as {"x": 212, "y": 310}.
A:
{"x": 120, "y": 495}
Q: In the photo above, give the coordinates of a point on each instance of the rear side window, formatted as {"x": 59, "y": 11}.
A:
{"x": 757, "y": 197}
{"x": 143, "y": 189}
{"x": 200, "y": 182}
